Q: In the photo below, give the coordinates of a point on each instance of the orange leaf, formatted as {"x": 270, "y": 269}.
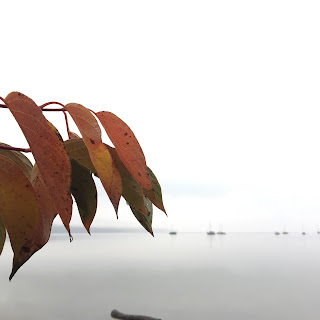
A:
{"x": 18, "y": 204}
{"x": 99, "y": 154}
{"x": 127, "y": 146}
{"x": 41, "y": 234}
{"x": 47, "y": 149}
{"x": 73, "y": 135}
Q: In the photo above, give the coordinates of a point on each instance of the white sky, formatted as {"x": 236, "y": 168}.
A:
{"x": 222, "y": 95}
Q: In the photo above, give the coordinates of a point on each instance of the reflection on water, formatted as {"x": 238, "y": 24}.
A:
{"x": 187, "y": 276}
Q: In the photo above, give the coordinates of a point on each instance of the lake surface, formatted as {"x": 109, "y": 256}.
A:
{"x": 186, "y": 276}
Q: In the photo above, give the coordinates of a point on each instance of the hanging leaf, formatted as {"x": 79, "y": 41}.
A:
{"x": 18, "y": 204}
{"x": 47, "y": 149}
{"x": 155, "y": 195}
{"x": 41, "y": 234}
{"x": 84, "y": 191}
{"x": 73, "y": 135}
{"x": 127, "y": 146}
{"x": 20, "y": 159}
{"x": 78, "y": 151}
{"x": 2, "y": 235}
{"x": 99, "y": 154}
{"x": 145, "y": 219}
{"x": 131, "y": 189}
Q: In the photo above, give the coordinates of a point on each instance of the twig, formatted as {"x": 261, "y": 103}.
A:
{"x": 119, "y": 315}
{"x": 14, "y": 149}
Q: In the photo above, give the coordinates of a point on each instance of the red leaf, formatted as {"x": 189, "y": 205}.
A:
{"x": 127, "y": 146}
{"x": 47, "y": 149}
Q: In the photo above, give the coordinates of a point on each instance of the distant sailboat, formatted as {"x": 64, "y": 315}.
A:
{"x": 277, "y": 233}
{"x": 284, "y": 231}
{"x": 303, "y": 233}
{"x": 210, "y": 232}
{"x": 220, "y": 231}
{"x": 172, "y": 232}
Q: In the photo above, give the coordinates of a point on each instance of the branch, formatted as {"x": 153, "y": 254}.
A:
{"x": 119, "y": 315}
{"x": 14, "y": 149}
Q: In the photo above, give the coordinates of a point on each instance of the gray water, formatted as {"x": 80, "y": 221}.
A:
{"x": 187, "y": 276}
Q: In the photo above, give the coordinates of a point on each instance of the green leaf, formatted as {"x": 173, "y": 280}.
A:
{"x": 145, "y": 219}
{"x": 155, "y": 195}
{"x": 19, "y": 158}
{"x": 84, "y": 191}
{"x": 2, "y": 235}
{"x": 78, "y": 151}
{"x": 131, "y": 189}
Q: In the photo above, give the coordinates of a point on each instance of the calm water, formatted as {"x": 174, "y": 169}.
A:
{"x": 187, "y": 276}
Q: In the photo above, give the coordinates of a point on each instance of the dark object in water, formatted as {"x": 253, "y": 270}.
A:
{"x": 211, "y": 233}
{"x": 119, "y": 315}
{"x": 277, "y": 233}
{"x": 172, "y": 232}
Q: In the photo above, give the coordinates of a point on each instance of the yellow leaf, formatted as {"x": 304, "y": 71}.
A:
{"x": 99, "y": 154}
{"x": 41, "y": 234}
{"x": 18, "y": 204}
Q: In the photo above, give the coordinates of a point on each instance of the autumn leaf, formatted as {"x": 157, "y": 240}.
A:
{"x": 78, "y": 151}
{"x": 155, "y": 195}
{"x": 47, "y": 149}
{"x": 42, "y": 231}
{"x": 84, "y": 191}
{"x": 131, "y": 189}
{"x": 2, "y": 235}
{"x": 127, "y": 146}
{"x": 18, "y": 204}
{"x": 145, "y": 219}
{"x": 20, "y": 159}
{"x": 99, "y": 154}
{"x": 73, "y": 135}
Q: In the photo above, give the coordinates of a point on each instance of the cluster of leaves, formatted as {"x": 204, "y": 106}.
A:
{"x": 31, "y": 196}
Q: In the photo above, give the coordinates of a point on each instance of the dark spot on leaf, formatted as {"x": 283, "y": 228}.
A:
{"x": 25, "y": 249}
{"x": 127, "y": 143}
{"x": 139, "y": 174}
{"x": 126, "y": 133}
{"x": 92, "y": 141}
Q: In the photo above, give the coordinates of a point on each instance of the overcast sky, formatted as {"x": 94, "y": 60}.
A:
{"x": 222, "y": 95}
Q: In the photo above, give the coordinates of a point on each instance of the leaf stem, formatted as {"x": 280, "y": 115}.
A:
{"x": 51, "y": 102}
{"x": 67, "y": 123}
